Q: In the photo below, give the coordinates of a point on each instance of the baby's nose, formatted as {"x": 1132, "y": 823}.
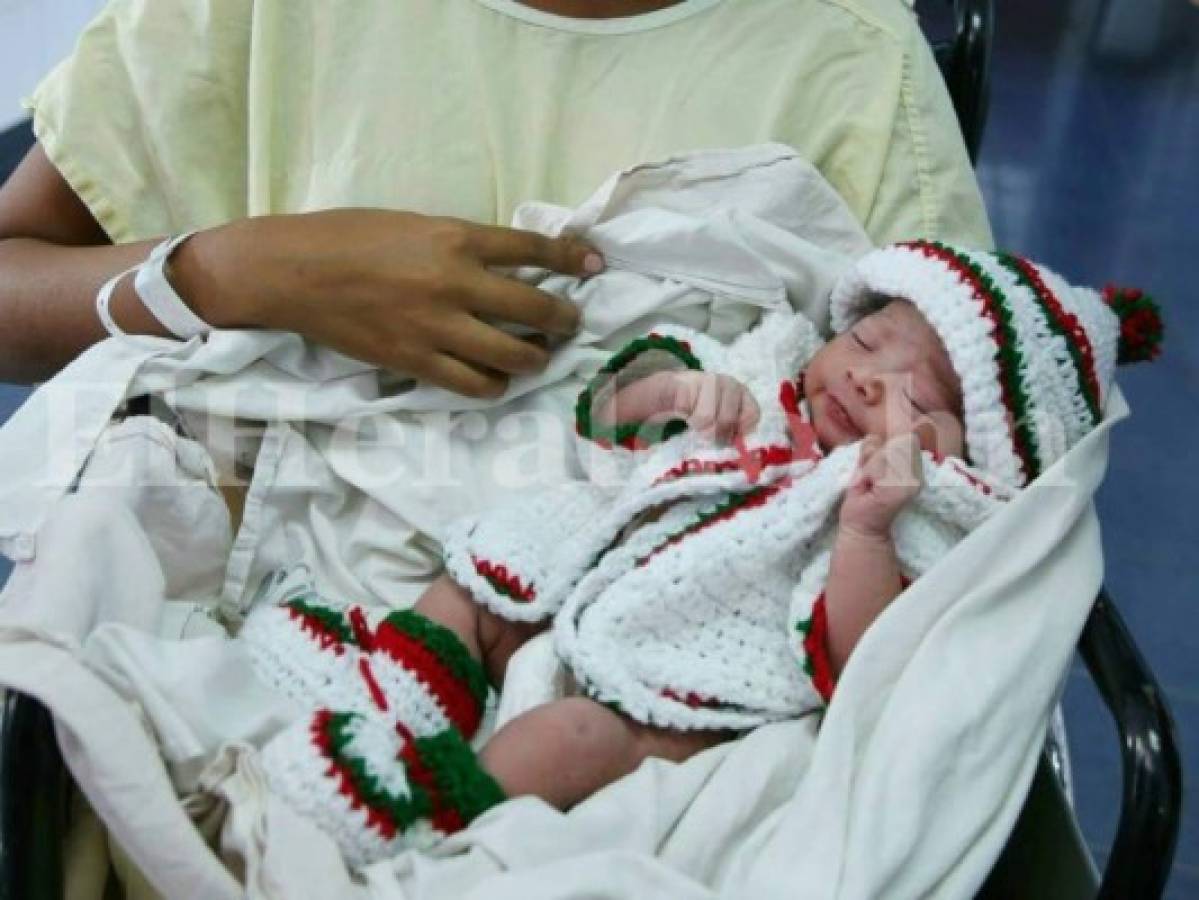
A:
{"x": 868, "y": 385}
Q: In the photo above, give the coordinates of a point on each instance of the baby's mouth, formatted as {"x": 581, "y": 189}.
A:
{"x": 840, "y": 415}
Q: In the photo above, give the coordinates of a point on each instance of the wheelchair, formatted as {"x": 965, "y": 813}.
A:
{"x": 1045, "y": 855}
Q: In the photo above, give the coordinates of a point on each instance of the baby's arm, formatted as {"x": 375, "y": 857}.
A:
{"x": 711, "y": 403}
{"x": 864, "y": 575}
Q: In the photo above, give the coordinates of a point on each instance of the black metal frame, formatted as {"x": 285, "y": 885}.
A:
{"x": 965, "y": 63}
{"x": 1151, "y": 805}
{"x": 34, "y": 784}
{"x": 35, "y": 791}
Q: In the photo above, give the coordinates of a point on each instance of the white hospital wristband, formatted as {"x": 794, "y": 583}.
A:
{"x": 104, "y": 297}
{"x": 160, "y": 297}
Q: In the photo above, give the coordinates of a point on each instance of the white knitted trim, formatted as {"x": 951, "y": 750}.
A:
{"x": 957, "y": 494}
{"x": 462, "y": 544}
{"x": 409, "y": 699}
{"x": 290, "y": 659}
{"x": 708, "y": 352}
{"x": 807, "y": 591}
{"x": 951, "y": 308}
{"x": 1100, "y": 322}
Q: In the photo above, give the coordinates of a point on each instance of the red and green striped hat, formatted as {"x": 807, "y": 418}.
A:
{"x": 1035, "y": 354}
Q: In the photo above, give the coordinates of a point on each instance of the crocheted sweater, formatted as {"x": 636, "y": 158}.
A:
{"x": 710, "y": 615}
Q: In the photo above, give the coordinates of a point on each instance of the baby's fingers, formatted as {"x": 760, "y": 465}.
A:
{"x": 706, "y": 411}
{"x": 732, "y": 396}
{"x": 749, "y": 414}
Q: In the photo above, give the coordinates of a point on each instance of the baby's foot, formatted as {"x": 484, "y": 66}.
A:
{"x": 426, "y": 675}
{"x": 305, "y": 645}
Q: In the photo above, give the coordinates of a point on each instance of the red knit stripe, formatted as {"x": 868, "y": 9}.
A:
{"x": 507, "y": 583}
{"x": 770, "y": 455}
{"x": 362, "y": 630}
{"x": 368, "y": 675}
{"x": 974, "y": 480}
{"x": 453, "y": 695}
{"x": 377, "y": 819}
{"x": 815, "y": 645}
{"x": 1068, "y": 323}
{"x": 691, "y": 699}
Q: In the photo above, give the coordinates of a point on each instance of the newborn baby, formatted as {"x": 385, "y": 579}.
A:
{"x": 750, "y": 511}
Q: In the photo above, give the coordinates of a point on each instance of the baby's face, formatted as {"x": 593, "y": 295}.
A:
{"x": 888, "y": 375}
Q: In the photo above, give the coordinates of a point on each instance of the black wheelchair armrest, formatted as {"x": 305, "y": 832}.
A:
{"x": 35, "y": 790}
{"x": 1143, "y": 851}
{"x": 965, "y": 63}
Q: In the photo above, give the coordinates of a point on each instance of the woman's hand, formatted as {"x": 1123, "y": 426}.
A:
{"x": 407, "y": 292}
{"x": 718, "y": 406}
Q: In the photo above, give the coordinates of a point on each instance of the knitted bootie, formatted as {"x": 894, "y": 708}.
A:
{"x": 376, "y": 790}
{"x": 424, "y": 676}
{"x": 409, "y": 669}
{"x": 305, "y": 645}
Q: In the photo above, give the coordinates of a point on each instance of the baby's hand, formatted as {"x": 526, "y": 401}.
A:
{"x": 889, "y": 474}
{"x": 715, "y": 405}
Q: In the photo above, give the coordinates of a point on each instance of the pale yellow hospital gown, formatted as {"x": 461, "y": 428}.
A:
{"x": 176, "y": 114}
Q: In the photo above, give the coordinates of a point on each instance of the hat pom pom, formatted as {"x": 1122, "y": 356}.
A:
{"x": 1140, "y": 324}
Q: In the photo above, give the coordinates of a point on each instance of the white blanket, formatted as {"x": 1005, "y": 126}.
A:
{"x": 922, "y": 759}
{"x": 915, "y": 781}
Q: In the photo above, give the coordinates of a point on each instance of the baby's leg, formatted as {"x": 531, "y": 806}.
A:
{"x": 565, "y": 751}
{"x": 489, "y": 638}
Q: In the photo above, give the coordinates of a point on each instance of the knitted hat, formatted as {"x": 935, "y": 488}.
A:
{"x": 1035, "y": 355}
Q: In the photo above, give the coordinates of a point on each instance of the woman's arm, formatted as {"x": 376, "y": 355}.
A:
{"x": 53, "y": 259}
{"x": 407, "y": 292}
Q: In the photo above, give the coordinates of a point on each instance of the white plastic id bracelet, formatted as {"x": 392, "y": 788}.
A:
{"x": 161, "y": 299}
{"x": 104, "y": 297}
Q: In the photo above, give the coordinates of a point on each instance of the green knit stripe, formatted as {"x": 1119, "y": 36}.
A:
{"x": 324, "y": 618}
{"x": 446, "y": 646}
{"x": 1007, "y": 341}
{"x": 462, "y": 783}
{"x": 1064, "y": 324}
{"x": 627, "y": 433}
{"x": 736, "y": 501}
{"x": 403, "y": 811}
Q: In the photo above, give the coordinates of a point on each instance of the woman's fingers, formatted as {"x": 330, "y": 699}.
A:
{"x": 479, "y": 344}
{"x": 509, "y": 300}
{"x": 462, "y": 378}
{"x": 497, "y": 246}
